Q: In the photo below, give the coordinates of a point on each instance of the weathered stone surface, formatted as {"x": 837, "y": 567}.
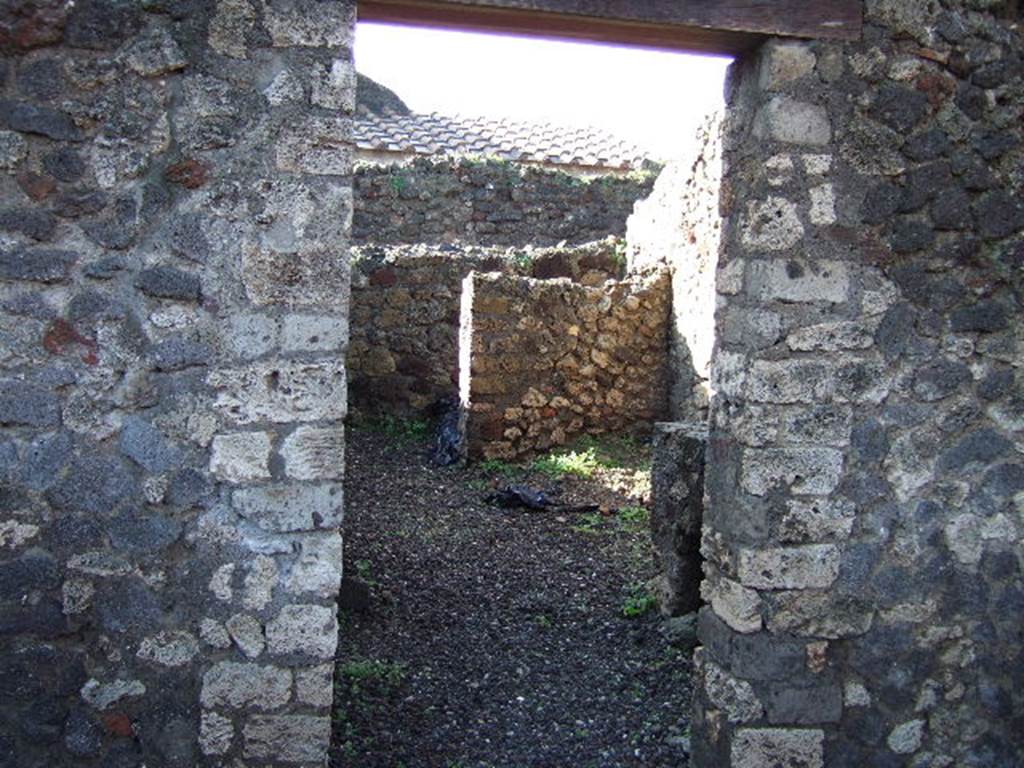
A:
{"x": 772, "y": 225}
{"x": 318, "y": 569}
{"x": 309, "y": 630}
{"x": 289, "y": 738}
{"x": 804, "y": 567}
{"x": 799, "y": 281}
{"x": 319, "y": 146}
{"x": 82, "y": 736}
{"x": 216, "y": 733}
{"x": 34, "y": 570}
{"x": 792, "y": 747}
{"x": 905, "y": 739}
{"x": 734, "y": 604}
{"x": 293, "y": 507}
{"x": 806, "y": 522}
{"x": 785, "y": 62}
{"x": 241, "y": 457}
{"x": 155, "y": 53}
{"x": 982, "y": 317}
{"x": 288, "y": 392}
{"x": 310, "y": 453}
{"x": 790, "y": 121}
{"x": 313, "y": 333}
{"x": 169, "y": 649}
{"x": 831, "y": 337}
{"x": 105, "y": 695}
{"x": 814, "y": 471}
{"x": 735, "y": 698}
{"x": 250, "y": 335}
{"x": 314, "y": 685}
{"x": 13, "y": 149}
{"x": 247, "y": 632}
{"x": 242, "y": 685}
{"x": 310, "y": 24}
{"x": 259, "y": 583}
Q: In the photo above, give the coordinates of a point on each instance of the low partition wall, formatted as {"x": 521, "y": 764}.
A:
{"x": 546, "y": 361}
{"x": 402, "y": 357}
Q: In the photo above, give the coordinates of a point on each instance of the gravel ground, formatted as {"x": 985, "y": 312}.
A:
{"x": 498, "y": 637}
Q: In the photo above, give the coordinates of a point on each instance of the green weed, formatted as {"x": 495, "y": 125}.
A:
{"x": 403, "y": 430}
{"x": 364, "y": 569}
{"x": 590, "y": 522}
{"x": 498, "y": 467}
{"x": 399, "y": 184}
{"x": 633, "y": 517}
{"x": 638, "y": 602}
{"x": 362, "y": 673}
{"x": 580, "y": 463}
{"x": 523, "y": 261}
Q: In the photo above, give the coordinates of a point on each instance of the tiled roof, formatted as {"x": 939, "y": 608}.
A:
{"x": 512, "y": 140}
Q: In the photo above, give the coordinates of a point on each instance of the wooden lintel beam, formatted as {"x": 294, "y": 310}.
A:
{"x": 716, "y": 26}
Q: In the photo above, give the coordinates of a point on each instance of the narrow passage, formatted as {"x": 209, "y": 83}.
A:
{"x": 501, "y": 638}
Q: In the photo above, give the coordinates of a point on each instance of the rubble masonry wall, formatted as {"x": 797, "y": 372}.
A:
{"x": 862, "y": 533}
{"x": 489, "y": 202}
{"x": 172, "y": 329}
{"x": 546, "y": 361}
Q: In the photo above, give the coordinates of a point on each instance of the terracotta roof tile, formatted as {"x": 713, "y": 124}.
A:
{"x": 516, "y": 140}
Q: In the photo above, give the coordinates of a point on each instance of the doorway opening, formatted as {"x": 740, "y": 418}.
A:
{"x": 536, "y": 292}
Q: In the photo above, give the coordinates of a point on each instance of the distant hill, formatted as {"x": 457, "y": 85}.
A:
{"x": 378, "y": 99}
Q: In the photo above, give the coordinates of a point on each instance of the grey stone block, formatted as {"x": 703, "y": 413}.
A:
{"x": 982, "y": 446}
{"x": 34, "y": 570}
{"x": 27, "y": 405}
{"x": 900, "y": 108}
{"x": 30, "y": 222}
{"x": 178, "y": 353}
{"x": 64, "y": 164}
{"x": 29, "y": 118}
{"x": 981, "y": 317}
{"x": 677, "y": 504}
{"x": 291, "y": 507}
{"x": 95, "y": 483}
{"x": 39, "y": 265}
{"x": 146, "y": 446}
{"x": 134, "y": 532}
{"x": 169, "y": 283}
{"x": 83, "y": 737}
{"x": 787, "y": 705}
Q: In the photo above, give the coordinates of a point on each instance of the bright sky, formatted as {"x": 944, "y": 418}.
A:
{"x": 652, "y": 98}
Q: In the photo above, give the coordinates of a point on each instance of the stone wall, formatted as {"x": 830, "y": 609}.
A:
{"x": 545, "y": 361}
{"x": 489, "y": 202}
{"x": 677, "y": 508}
{"x": 403, "y": 354}
{"x": 678, "y": 225}
{"x": 863, "y": 523}
{"x": 172, "y": 315}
